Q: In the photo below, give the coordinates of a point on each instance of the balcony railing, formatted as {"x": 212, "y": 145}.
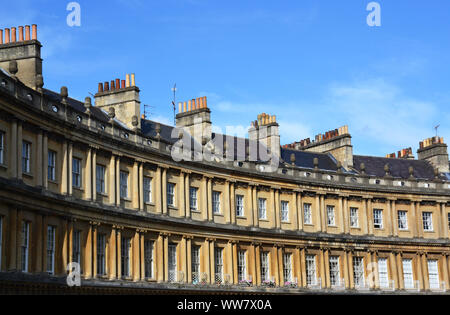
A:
{"x": 316, "y": 284}
{"x": 269, "y": 282}
{"x": 195, "y": 278}
{"x": 415, "y": 287}
{"x": 363, "y": 285}
{"x": 389, "y": 287}
{"x": 248, "y": 281}
{"x": 442, "y": 288}
{"x": 339, "y": 286}
{"x": 291, "y": 283}
{"x": 218, "y": 279}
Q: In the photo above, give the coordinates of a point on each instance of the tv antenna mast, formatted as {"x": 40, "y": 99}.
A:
{"x": 174, "y": 102}
{"x": 436, "y": 128}
{"x": 147, "y": 110}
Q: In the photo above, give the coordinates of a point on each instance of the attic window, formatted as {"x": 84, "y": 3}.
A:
{"x": 79, "y": 118}
{"x": 401, "y": 184}
{"x": 354, "y": 180}
{"x": 307, "y": 174}
{"x": 102, "y": 127}
{"x": 149, "y": 142}
{"x": 377, "y": 182}
{"x": 240, "y": 164}
{"x": 55, "y": 109}
{"x": 426, "y": 185}
{"x": 330, "y": 177}
{"x": 4, "y": 83}
{"x": 126, "y": 135}
{"x": 30, "y": 97}
{"x": 284, "y": 171}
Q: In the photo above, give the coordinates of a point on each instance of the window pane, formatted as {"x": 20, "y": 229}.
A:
{"x": 100, "y": 179}
{"x": 311, "y": 278}
{"x": 123, "y": 185}
{"x": 285, "y": 211}
{"x": 76, "y": 173}
{"x": 307, "y": 214}
{"x": 50, "y": 249}
{"x": 239, "y": 206}
{"x": 171, "y": 194}
{"x": 148, "y": 259}
{"x": 51, "y": 165}
{"x": 402, "y": 220}
{"x": 147, "y": 190}
{"x": 216, "y": 202}
{"x": 334, "y": 271}
{"x": 262, "y": 209}
{"x": 408, "y": 274}
{"x": 383, "y": 272}
{"x": 331, "y": 216}
{"x": 433, "y": 274}
{"x": 354, "y": 219}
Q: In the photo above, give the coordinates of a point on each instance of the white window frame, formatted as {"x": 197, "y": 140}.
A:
{"x": 76, "y": 246}
{"x": 239, "y": 206}
{"x": 378, "y": 219}
{"x": 172, "y": 262}
{"x": 195, "y": 264}
{"x": 287, "y": 267}
{"x": 101, "y": 254}
{"x": 331, "y": 216}
{"x": 335, "y": 270}
{"x": 100, "y": 179}
{"x": 433, "y": 274}
{"x": 307, "y": 214}
{"x": 358, "y": 271}
{"x": 408, "y": 276}
{"x": 427, "y": 219}
{"x": 216, "y": 196}
{"x": 193, "y": 198}
{"x": 262, "y": 208}
{"x": 149, "y": 247}
{"x": 383, "y": 274}
{"x": 242, "y": 265}
{"x": 354, "y": 217}
{"x": 402, "y": 217}
{"x": 311, "y": 270}
{"x": 51, "y": 239}
{"x": 26, "y": 157}
{"x": 124, "y": 180}
{"x": 285, "y": 211}
{"x": 25, "y": 245}
{"x": 148, "y": 181}
{"x": 264, "y": 266}
{"x": 171, "y": 194}
{"x": 125, "y": 256}
{"x": 51, "y": 171}
{"x": 76, "y": 172}
{"x": 218, "y": 264}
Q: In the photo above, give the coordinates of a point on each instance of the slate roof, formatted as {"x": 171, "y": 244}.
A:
{"x": 398, "y": 167}
{"x": 374, "y": 165}
{"x": 306, "y": 159}
{"x": 77, "y": 105}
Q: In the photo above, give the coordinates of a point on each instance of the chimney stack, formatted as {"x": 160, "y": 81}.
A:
{"x": 196, "y": 117}
{"x": 26, "y": 52}
{"x": 435, "y": 151}
{"x": 123, "y": 97}
{"x": 338, "y": 142}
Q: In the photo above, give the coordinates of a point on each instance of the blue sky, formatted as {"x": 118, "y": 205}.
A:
{"x": 316, "y": 64}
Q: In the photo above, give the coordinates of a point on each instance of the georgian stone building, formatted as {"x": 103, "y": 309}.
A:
{"x": 96, "y": 184}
